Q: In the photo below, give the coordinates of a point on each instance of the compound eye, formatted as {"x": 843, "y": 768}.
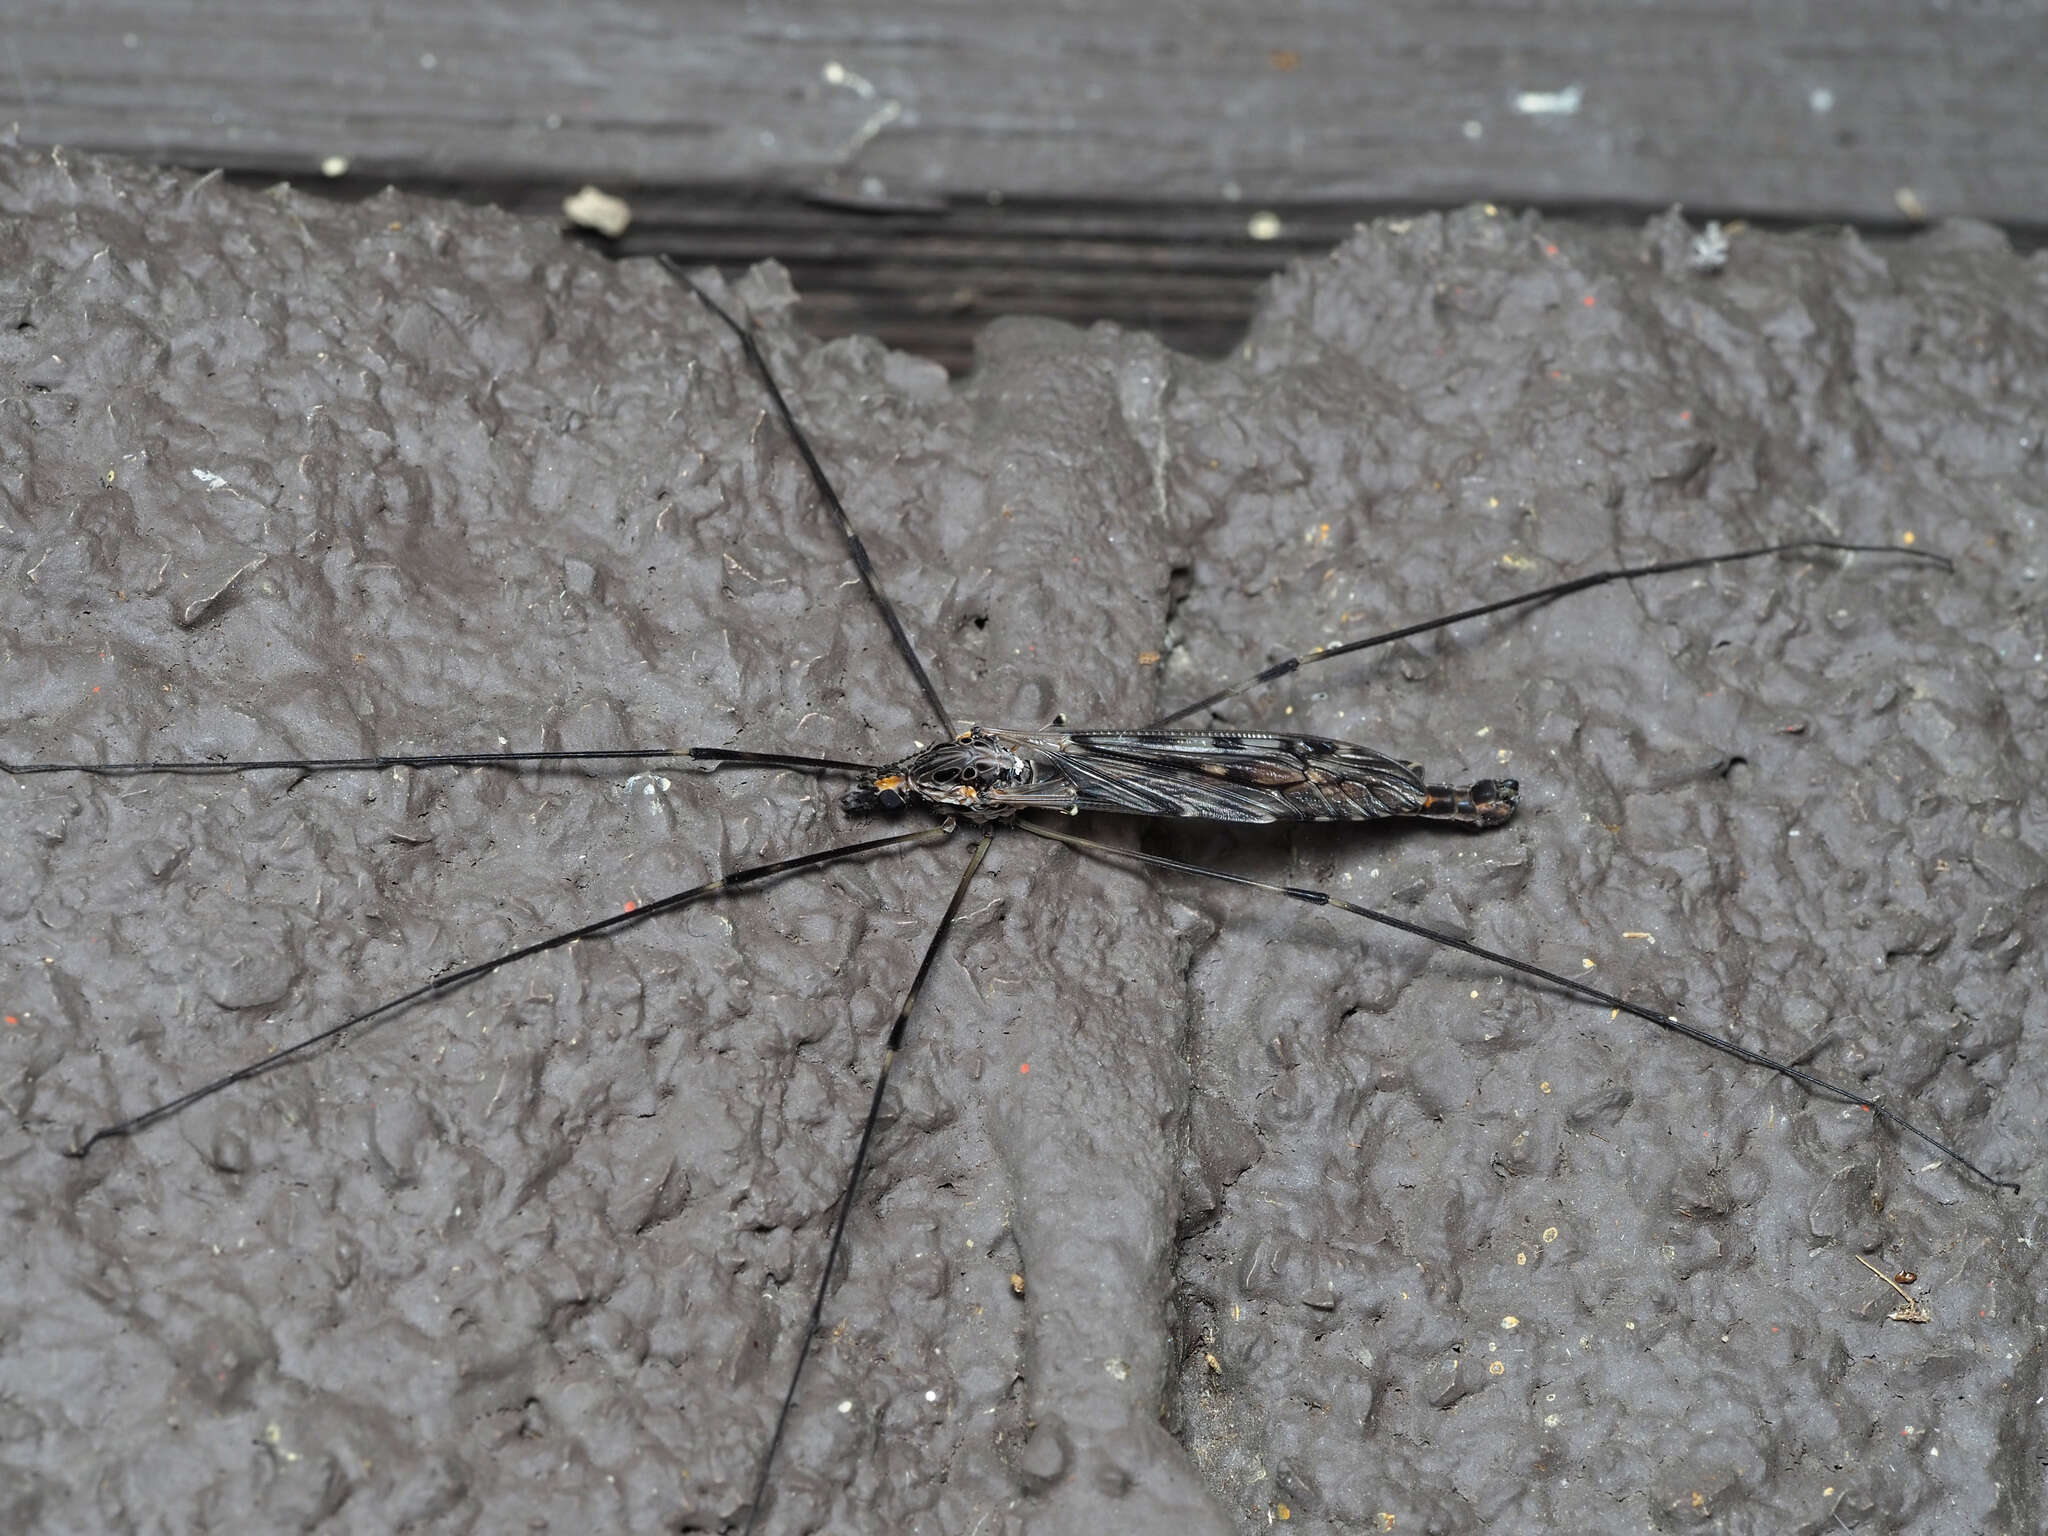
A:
{"x": 890, "y": 800}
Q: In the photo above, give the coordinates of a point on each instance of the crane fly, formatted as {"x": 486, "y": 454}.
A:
{"x": 1013, "y": 779}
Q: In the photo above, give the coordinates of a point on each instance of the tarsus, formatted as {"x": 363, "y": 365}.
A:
{"x": 1281, "y": 669}
{"x": 449, "y": 982}
{"x": 1554, "y": 978}
{"x": 860, "y": 1163}
{"x": 198, "y": 768}
{"x": 854, "y": 547}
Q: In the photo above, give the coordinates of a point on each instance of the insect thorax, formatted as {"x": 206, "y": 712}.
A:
{"x": 954, "y": 777}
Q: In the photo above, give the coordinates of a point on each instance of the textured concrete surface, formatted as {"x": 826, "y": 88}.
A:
{"x": 1316, "y": 1229}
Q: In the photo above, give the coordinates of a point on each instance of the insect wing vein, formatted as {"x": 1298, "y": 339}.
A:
{"x": 1235, "y": 776}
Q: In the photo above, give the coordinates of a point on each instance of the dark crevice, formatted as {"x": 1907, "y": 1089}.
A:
{"x": 1180, "y": 583}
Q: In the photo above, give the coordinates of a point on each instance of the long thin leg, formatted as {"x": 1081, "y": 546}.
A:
{"x": 854, "y": 547}
{"x": 441, "y": 985}
{"x": 437, "y": 760}
{"x": 1281, "y": 669}
{"x": 1577, "y": 988}
{"x": 860, "y": 1164}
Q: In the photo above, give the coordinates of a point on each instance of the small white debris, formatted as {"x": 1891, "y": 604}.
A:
{"x": 595, "y": 209}
{"x": 836, "y": 73}
{"x": 1263, "y": 225}
{"x": 1708, "y": 252}
{"x": 333, "y": 166}
{"x": 1564, "y": 103}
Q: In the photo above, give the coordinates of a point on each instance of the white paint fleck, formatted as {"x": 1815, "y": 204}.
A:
{"x": 1708, "y": 252}
{"x": 1564, "y": 103}
{"x": 596, "y": 209}
{"x": 836, "y": 73}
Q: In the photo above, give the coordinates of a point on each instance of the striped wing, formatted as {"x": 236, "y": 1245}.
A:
{"x": 1215, "y": 775}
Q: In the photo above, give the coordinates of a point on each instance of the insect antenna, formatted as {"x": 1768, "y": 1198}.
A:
{"x": 1565, "y": 983}
{"x": 461, "y": 977}
{"x": 1281, "y": 669}
{"x": 860, "y": 1163}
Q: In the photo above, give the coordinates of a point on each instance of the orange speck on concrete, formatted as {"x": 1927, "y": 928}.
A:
{"x": 1589, "y": 301}
{"x": 1024, "y": 1070}
{"x": 632, "y": 906}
